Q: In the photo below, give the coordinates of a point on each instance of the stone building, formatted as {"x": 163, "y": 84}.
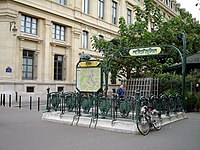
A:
{"x": 41, "y": 40}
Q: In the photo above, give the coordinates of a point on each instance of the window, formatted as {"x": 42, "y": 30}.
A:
{"x": 30, "y": 89}
{"x": 61, "y": 2}
{"x": 58, "y": 32}
{"x": 58, "y": 67}
{"x": 85, "y": 39}
{"x": 166, "y": 2}
{"x": 175, "y": 8}
{"x": 169, "y": 4}
{"x": 172, "y": 5}
{"x": 114, "y": 12}
{"x": 101, "y": 9}
{"x": 28, "y": 25}
{"x": 85, "y": 6}
{"x": 60, "y": 89}
{"x": 129, "y": 12}
{"x": 27, "y": 65}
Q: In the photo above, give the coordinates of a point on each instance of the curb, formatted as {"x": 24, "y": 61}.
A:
{"x": 105, "y": 124}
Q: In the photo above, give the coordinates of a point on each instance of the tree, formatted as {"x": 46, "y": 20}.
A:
{"x": 137, "y": 35}
{"x": 167, "y": 32}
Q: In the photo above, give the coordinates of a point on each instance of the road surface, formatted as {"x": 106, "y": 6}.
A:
{"x": 22, "y": 129}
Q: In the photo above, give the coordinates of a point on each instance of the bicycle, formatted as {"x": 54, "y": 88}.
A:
{"x": 148, "y": 118}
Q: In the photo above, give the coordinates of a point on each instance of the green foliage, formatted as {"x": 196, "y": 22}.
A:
{"x": 169, "y": 83}
{"x": 150, "y": 13}
{"x": 197, "y": 100}
{"x": 192, "y": 101}
{"x": 138, "y": 35}
{"x": 172, "y": 81}
{"x": 194, "y": 75}
{"x": 170, "y": 91}
{"x": 167, "y": 32}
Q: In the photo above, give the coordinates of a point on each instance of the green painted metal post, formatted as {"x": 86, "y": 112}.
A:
{"x": 108, "y": 59}
{"x": 47, "y": 107}
{"x": 132, "y": 107}
{"x": 4, "y": 100}
{"x": 1, "y": 99}
{"x": 38, "y": 103}
{"x": 62, "y": 102}
{"x": 137, "y": 98}
{"x": 106, "y": 75}
{"x": 97, "y": 107}
{"x": 113, "y": 106}
{"x": 183, "y": 60}
{"x": 79, "y": 105}
{"x": 20, "y": 101}
{"x": 183, "y": 69}
{"x": 10, "y": 101}
{"x": 31, "y": 103}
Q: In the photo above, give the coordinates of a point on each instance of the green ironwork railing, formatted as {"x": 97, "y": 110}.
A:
{"x": 113, "y": 108}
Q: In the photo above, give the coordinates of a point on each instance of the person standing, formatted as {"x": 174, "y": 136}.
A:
{"x": 120, "y": 91}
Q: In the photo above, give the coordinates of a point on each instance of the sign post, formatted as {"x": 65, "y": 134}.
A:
{"x": 146, "y": 51}
{"x": 89, "y": 76}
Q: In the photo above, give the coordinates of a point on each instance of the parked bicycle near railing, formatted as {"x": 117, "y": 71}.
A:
{"x": 148, "y": 118}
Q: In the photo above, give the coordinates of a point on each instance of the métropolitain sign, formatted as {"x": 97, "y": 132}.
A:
{"x": 145, "y": 51}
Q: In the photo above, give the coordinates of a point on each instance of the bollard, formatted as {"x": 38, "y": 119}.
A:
{"x": 138, "y": 104}
{"x": 75, "y": 96}
{"x": 62, "y": 103}
{"x": 38, "y": 103}
{"x": 79, "y": 106}
{"x": 1, "y": 99}
{"x": 4, "y": 100}
{"x": 16, "y": 96}
{"x": 97, "y": 106}
{"x": 30, "y": 102}
{"x": 132, "y": 106}
{"x": 48, "y": 100}
{"x": 96, "y": 112}
{"x": 20, "y": 101}
{"x": 160, "y": 104}
{"x": 164, "y": 104}
{"x": 113, "y": 111}
{"x": 9, "y": 101}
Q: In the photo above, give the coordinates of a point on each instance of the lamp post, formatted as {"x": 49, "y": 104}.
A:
{"x": 184, "y": 65}
{"x": 106, "y": 75}
{"x": 108, "y": 59}
{"x": 181, "y": 36}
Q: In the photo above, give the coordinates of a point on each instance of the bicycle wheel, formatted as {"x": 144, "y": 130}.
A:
{"x": 143, "y": 125}
{"x": 156, "y": 123}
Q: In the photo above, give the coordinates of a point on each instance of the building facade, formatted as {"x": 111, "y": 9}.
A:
{"x": 41, "y": 40}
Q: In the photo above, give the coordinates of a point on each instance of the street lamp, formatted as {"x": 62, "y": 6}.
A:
{"x": 197, "y": 87}
{"x": 115, "y": 42}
